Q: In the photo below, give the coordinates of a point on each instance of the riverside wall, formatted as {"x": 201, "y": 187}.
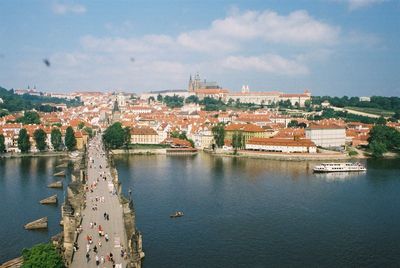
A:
{"x": 283, "y": 156}
{"x": 161, "y": 151}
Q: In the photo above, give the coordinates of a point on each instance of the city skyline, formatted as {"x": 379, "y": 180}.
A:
{"x": 329, "y": 47}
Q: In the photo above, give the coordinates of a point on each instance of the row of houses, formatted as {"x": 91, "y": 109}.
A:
{"x": 11, "y": 131}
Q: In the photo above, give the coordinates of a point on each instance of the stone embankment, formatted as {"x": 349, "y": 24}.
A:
{"x": 284, "y": 156}
{"x": 37, "y": 154}
{"x": 161, "y": 151}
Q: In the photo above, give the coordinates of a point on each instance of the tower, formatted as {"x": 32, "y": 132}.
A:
{"x": 190, "y": 86}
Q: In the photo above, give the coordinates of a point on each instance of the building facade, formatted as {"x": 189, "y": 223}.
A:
{"x": 144, "y": 135}
{"x": 281, "y": 145}
{"x": 330, "y": 135}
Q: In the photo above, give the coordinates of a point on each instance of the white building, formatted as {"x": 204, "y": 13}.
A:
{"x": 268, "y": 98}
{"x": 330, "y": 135}
{"x": 203, "y": 137}
{"x": 180, "y": 93}
{"x": 281, "y": 145}
{"x": 366, "y": 99}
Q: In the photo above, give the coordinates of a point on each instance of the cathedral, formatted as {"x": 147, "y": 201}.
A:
{"x": 196, "y": 84}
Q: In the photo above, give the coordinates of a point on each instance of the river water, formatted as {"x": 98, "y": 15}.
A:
{"x": 262, "y": 213}
{"x": 23, "y": 183}
{"x": 238, "y": 212}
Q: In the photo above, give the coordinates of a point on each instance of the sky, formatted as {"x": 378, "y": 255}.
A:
{"x": 330, "y": 47}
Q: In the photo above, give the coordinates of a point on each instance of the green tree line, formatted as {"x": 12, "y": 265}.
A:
{"x": 13, "y": 102}
{"x": 383, "y": 139}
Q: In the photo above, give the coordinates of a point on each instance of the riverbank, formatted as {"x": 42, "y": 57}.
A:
{"x": 158, "y": 151}
{"x": 38, "y": 154}
{"x": 283, "y": 156}
{"x": 162, "y": 151}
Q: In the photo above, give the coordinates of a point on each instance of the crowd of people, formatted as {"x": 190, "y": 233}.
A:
{"x": 95, "y": 249}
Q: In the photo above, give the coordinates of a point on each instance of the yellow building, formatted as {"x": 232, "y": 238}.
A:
{"x": 248, "y": 131}
{"x": 144, "y": 135}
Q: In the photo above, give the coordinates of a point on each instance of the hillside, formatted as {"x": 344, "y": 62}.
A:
{"x": 13, "y": 102}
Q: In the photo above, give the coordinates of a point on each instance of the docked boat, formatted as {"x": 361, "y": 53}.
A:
{"x": 339, "y": 167}
{"x": 177, "y": 214}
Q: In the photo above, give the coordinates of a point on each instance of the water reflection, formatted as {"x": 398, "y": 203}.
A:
{"x": 339, "y": 176}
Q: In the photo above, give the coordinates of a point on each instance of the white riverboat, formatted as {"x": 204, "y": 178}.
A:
{"x": 339, "y": 167}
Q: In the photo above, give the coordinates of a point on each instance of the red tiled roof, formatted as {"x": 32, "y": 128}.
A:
{"x": 281, "y": 142}
{"x": 244, "y": 127}
{"x": 143, "y": 131}
{"x": 325, "y": 126}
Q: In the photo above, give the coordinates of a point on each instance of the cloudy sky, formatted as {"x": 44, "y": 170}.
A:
{"x": 334, "y": 47}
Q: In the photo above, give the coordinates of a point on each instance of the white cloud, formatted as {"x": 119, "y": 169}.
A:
{"x": 59, "y": 8}
{"x": 247, "y": 41}
{"x": 146, "y": 43}
{"x": 358, "y": 4}
{"x": 270, "y": 63}
{"x": 296, "y": 28}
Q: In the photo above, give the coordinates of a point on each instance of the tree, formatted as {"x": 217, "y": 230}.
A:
{"x": 42, "y": 255}
{"x": 81, "y": 125}
{"x": 174, "y": 101}
{"x": 183, "y": 136}
{"x": 24, "y": 143}
{"x": 151, "y": 99}
{"x": 237, "y": 139}
{"x": 397, "y": 115}
{"x": 159, "y": 98}
{"x": 381, "y": 121}
{"x": 383, "y": 138}
{"x": 29, "y": 117}
{"x": 219, "y": 134}
{"x": 293, "y": 123}
{"x": 70, "y": 140}
{"x": 56, "y": 139}
{"x": 192, "y": 99}
{"x": 40, "y": 138}
{"x": 378, "y": 148}
{"x": 114, "y": 136}
{"x": 211, "y": 104}
{"x": 2, "y": 144}
{"x": 3, "y": 113}
{"x": 191, "y": 142}
{"x": 127, "y": 136}
{"x": 89, "y": 131}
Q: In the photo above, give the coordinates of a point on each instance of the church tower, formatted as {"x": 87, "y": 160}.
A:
{"x": 190, "y": 87}
{"x": 116, "y": 113}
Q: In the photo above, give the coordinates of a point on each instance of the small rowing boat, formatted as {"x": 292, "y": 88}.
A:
{"x": 177, "y": 214}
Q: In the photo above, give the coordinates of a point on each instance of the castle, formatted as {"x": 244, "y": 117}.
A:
{"x": 212, "y": 89}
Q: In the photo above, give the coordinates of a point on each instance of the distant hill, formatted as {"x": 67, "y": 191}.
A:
{"x": 13, "y": 102}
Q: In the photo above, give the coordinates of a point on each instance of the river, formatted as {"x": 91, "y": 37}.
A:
{"x": 262, "y": 213}
{"x": 23, "y": 183}
{"x": 238, "y": 212}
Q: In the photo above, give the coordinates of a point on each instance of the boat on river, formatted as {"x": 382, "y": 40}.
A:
{"x": 339, "y": 167}
{"x": 177, "y": 214}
